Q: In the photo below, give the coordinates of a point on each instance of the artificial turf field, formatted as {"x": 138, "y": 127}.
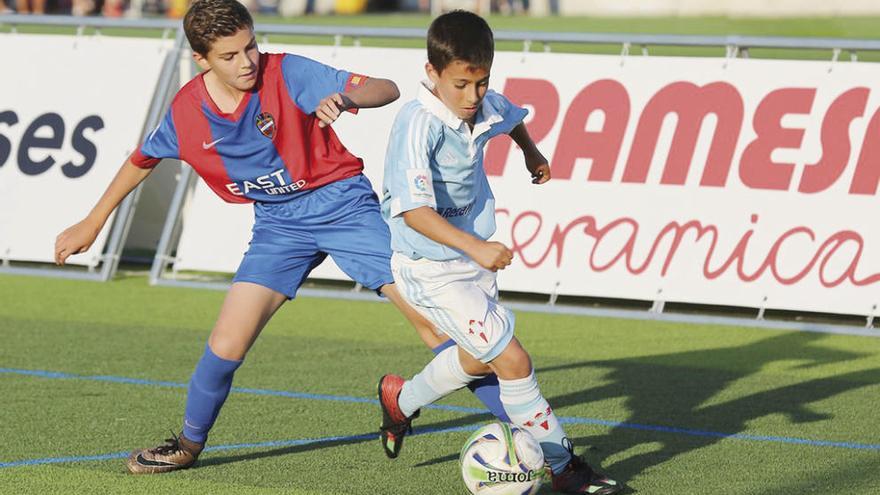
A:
{"x": 89, "y": 371}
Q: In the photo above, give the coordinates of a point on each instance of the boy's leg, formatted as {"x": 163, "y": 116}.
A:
{"x": 526, "y": 405}
{"x": 282, "y": 252}
{"x": 485, "y": 388}
{"x": 360, "y": 243}
{"x": 446, "y": 294}
{"x": 401, "y": 399}
{"x": 426, "y": 330}
{"x": 445, "y": 374}
{"x": 245, "y": 311}
{"x": 529, "y": 410}
{"x": 461, "y": 299}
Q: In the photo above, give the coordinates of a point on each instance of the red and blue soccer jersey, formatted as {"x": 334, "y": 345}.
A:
{"x": 271, "y": 147}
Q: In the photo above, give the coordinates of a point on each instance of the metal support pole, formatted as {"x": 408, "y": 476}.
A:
{"x": 762, "y": 309}
{"x": 125, "y": 213}
{"x": 163, "y": 258}
{"x": 554, "y": 295}
{"x": 659, "y": 304}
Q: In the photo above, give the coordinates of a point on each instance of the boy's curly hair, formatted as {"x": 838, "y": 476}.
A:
{"x": 208, "y": 20}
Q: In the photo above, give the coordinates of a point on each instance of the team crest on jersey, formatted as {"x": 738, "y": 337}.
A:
{"x": 266, "y": 124}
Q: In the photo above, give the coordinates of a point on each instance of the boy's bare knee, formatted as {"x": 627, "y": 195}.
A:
{"x": 471, "y": 365}
{"x": 513, "y": 363}
{"x": 226, "y": 345}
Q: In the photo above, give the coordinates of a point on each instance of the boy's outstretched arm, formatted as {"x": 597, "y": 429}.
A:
{"x": 535, "y": 161}
{"x": 373, "y": 93}
{"x": 488, "y": 254}
{"x": 79, "y": 237}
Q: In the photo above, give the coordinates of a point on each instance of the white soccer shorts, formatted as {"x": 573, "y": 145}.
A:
{"x": 460, "y": 298}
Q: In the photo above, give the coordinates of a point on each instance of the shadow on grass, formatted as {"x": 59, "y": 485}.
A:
{"x": 219, "y": 459}
{"x": 675, "y": 392}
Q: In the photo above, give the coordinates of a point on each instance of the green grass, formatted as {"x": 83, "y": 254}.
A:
{"x": 707, "y": 378}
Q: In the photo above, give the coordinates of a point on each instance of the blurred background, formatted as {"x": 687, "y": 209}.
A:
{"x": 176, "y": 8}
{"x": 287, "y": 8}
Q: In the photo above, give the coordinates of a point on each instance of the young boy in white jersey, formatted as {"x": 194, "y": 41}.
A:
{"x": 441, "y": 211}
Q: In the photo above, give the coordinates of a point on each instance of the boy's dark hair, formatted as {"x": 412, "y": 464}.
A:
{"x": 208, "y": 20}
{"x": 460, "y": 35}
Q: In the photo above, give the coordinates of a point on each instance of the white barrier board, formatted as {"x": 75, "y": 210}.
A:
{"x": 732, "y": 182}
{"x": 71, "y": 110}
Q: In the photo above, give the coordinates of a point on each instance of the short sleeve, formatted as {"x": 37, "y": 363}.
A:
{"x": 409, "y": 179}
{"x": 511, "y": 114}
{"x": 161, "y": 143}
{"x": 309, "y": 81}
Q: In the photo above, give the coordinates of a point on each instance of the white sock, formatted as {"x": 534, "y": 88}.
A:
{"x": 529, "y": 410}
{"x": 442, "y": 376}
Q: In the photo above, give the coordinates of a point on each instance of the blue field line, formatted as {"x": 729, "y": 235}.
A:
{"x": 465, "y": 410}
{"x": 63, "y": 460}
{"x": 717, "y": 434}
{"x": 241, "y": 390}
{"x": 234, "y": 446}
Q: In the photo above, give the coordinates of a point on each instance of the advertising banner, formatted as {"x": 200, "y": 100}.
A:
{"x": 733, "y": 182}
{"x": 71, "y": 110}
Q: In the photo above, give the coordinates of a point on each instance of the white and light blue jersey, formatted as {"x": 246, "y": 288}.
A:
{"x": 434, "y": 159}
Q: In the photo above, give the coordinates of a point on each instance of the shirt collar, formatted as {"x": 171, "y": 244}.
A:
{"x": 437, "y": 107}
{"x": 487, "y": 115}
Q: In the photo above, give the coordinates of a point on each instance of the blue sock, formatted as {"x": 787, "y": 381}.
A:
{"x": 208, "y": 389}
{"x": 486, "y": 388}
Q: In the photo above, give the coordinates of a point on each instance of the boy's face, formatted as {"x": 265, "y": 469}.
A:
{"x": 461, "y": 87}
{"x": 233, "y": 59}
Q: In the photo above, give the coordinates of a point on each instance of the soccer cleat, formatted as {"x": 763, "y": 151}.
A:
{"x": 176, "y": 453}
{"x": 394, "y": 424}
{"x": 579, "y": 478}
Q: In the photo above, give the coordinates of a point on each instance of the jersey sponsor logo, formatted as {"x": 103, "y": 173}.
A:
{"x": 272, "y": 184}
{"x": 207, "y": 146}
{"x": 455, "y": 212}
{"x": 266, "y": 124}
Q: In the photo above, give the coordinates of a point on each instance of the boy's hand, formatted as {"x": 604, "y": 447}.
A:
{"x": 75, "y": 239}
{"x": 331, "y": 107}
{"x": 491, "y": 255}
{"x": 538, "y": 167}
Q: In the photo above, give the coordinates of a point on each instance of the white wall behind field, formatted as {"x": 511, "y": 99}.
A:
{"x": 743, "y": 8}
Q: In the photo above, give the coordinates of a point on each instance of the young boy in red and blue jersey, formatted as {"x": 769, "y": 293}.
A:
{"x": 256, "y": 128}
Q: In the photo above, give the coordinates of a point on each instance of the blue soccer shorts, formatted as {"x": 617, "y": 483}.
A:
{"x": 341, "y": 219}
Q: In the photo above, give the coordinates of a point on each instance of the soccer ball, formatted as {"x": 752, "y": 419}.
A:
{"x": 502, "y": 459}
